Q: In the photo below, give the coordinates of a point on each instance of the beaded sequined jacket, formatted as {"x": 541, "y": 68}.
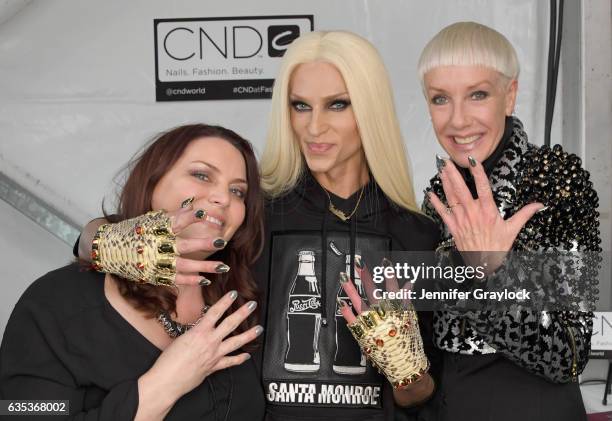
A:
{"x": 552, "y": 344}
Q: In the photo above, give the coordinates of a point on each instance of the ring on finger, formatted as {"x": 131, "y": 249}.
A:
{"x": 449, "y": 208}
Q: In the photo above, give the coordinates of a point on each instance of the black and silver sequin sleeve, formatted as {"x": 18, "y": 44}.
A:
{"x": 552, "y": 344}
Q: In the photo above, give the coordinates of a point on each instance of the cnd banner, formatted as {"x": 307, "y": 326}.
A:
{"x": 601, "y": 341}
{"x": 222, "y": 58}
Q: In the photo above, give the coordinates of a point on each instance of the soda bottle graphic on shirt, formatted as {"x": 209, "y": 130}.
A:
{"x": 348, "y": 358}
{"x": 304, "y": 318}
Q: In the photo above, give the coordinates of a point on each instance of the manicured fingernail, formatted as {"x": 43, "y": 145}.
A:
{"x": 472, "y": 161}
{"x": 200, "y": 214}
{"x": 187, "y": 202}
{"x": 343, "y": 278}
{"x": 251, "y": 305}
{"x": 219, "y": 243}
{"x": 222, "y": 268}
{"x": 204, "y": 282}
{"x": 439, "y": 163}
{"x": 340, "y": 302}
{"x": 233, "y": 295}
{"x": 259, "y": 330}
{"x": 248, "y": 357}
{"x": 358, "y": 262}
{"x": 386, "y": 262}
{"x": 542, "y": 209}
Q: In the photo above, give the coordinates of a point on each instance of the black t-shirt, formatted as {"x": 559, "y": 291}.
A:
{"x": 312, "y": 368}
{"x": 65, "y": 341}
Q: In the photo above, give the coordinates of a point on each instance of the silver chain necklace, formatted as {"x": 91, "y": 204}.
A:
{"x": 173, "y": 328}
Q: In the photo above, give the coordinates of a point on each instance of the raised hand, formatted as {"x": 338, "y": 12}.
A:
{"x": 476, "y": 224}
{"x": 188, "y": 270}
{"x": 195, "y": 355}
{"x": 168, "y": 264}
{"x": 388, "y": 333}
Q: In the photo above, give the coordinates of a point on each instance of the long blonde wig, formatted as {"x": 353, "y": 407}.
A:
{"x": 371, "y": 97}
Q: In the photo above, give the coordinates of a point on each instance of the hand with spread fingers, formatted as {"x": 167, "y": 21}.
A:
{"x": 388, "y": 333}
{"x": 148, "y": 248}
{"x": 203, "y": 350}
{"x": 476, "y": 224}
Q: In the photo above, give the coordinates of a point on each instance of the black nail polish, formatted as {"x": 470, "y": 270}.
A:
{"x": 187, "y": 202}
{"x": 472, "y": 161}
{"x": 219, "y": 243}
{"x": 204, "y": 282}
{"x": 200, "y": 214}
{"x": 386, "y": 262}
{"x": 222, "y": 268}
{"x": 440, "y": 164}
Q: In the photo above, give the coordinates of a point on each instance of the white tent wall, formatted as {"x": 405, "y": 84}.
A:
{"x": 77, "y": 83}
{"x": 28, "y": 251}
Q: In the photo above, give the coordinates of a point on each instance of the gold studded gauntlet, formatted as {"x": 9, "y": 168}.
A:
{"x": 390, "y": 338}
{"x": 141, "y": 249}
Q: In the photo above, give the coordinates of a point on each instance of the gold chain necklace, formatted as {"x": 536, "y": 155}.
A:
{"x": 344, "y": 217}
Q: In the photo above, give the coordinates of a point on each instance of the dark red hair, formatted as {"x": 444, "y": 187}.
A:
{"x": 145, "y": 171}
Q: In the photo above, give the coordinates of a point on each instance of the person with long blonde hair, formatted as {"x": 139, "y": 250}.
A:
{"x": 371, "y": 100}
{"x": 338, "y": 182}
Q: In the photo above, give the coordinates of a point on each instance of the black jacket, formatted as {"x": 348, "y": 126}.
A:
{"x": 312, "y": 368}
{"x": 522, "y": 364}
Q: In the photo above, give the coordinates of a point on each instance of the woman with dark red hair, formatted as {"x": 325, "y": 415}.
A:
{"x": 121, "y": 350}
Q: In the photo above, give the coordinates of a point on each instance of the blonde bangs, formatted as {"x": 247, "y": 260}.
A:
{"x": 469, "y": 44}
